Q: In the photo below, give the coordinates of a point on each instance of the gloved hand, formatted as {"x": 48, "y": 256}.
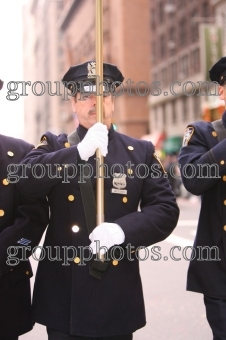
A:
{"x": 96, "y": 138}
{"x": 108, "y": 234}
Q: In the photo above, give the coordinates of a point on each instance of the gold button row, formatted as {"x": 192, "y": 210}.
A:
{"x": 78, "y": 260}
{"x": 71, "y": 198}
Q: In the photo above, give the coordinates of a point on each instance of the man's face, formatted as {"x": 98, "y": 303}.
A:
{"x": 85, "y": 108}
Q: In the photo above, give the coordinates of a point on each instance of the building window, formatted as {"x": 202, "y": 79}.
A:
{"x": 183, "y": 33}
{"x": 194, "y": 28}
{"x": 184, "y": 69}
{"x": 164, "y": 78}
{"x": 155, "y": 115}
{"x": 162, "y": 47}
{"x": 164, "y": 116}
{"x": 170, "y": 8}
{"x": 154, "y": 77}
{"x": 172, "y": 41}
{"x": 161, "y": 12}
{"x": 185, "y": 108}
{"x": 153, "y": 51}
{"x": 173, "y": 71}
{"x": 195, "y": 61}
{"x": 174, "y": 114}
{"x": 205, "y": 9}
{"x": 153, "y": 18}
{"x": 196, "y": 107}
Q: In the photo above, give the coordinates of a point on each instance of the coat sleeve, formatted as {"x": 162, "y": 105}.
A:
{"x": 46, "y": 166}
{"x": 202, "y": 161}
{"x": 158, "y": 213}
{"x": 31, "y": 220}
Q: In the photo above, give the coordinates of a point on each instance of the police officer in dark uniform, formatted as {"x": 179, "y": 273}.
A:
{"x": 203, "y": 168}
{"x": 90, "y": 299}
{"x": 22, "y": 222}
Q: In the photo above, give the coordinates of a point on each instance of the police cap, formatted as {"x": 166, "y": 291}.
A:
{"x": 85, "y": 73}
{"x": 218, "y": 71}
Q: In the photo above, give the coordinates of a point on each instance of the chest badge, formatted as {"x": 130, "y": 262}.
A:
{"x": 119, "y": 183}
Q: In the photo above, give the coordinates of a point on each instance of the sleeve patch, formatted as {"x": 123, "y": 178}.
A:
{"x": 158, "y": 159}
{"x": 187, "y": 136}
{"x": 43, "y": 141}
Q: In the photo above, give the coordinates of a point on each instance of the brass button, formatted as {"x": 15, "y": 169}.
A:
{"x": 221, "y": 162}
{"x": 224, "y": 227}
{"x": 130, "y": 147}
{"x": 5, "y": 181}
{"x": 75, "y": 228}
{"x": 124, "y": 199}
{"x": 67, "y": 145}
{"x": 27, "y": 272}
{"x": 76, "y": 260}
{"x": 115, "y": 262}
{"x": 224, "y": 178}
{"x": 2, "y": 213}
{"x": 130, "y": 171}
{"x": 71, "y": 198}
{"x": 10, "y": 153}
{"x": 59, "y": 168}
{"x": 214, "y": 134}
{"x": 224, "y": 202}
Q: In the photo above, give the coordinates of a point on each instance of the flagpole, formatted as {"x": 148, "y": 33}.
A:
{"x": 99, "y": 109}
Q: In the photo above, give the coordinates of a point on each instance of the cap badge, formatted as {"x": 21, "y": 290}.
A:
{"x": 91, "y": 67}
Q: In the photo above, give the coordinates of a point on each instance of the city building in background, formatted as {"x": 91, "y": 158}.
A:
{"x": 187, "y": 38}
{"x": 42, "y": 64}
{"x": 164, "y": 48}
{"x": 58, "y": 34}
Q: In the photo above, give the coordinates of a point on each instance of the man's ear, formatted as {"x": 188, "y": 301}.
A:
{"x": 221, "y": 92}
{"x": 73, "y": 103}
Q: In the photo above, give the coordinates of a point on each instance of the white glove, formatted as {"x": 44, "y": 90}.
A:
{"x": 108, "y": 234}
{"x": 95, "y": 138}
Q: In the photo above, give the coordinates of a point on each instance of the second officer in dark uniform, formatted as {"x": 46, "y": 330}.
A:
{"x": 22, "y": 221}
{"x": 67, "y": 299}
{"x": 203, "y": 167}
